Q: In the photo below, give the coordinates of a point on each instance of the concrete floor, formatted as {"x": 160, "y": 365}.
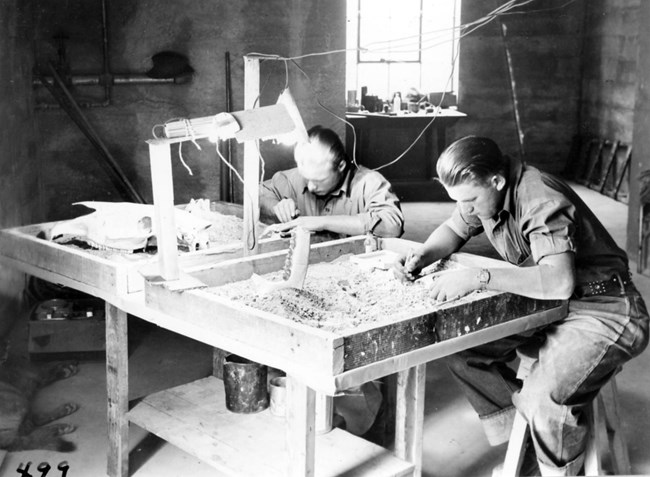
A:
{"x": 454, "y": 444}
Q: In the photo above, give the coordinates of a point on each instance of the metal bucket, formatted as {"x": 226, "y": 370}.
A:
{"x": 245, "y": 385}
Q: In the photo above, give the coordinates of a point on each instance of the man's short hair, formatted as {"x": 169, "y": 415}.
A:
{"x": 471, "y": 159}
{"x": 330, "y": 140}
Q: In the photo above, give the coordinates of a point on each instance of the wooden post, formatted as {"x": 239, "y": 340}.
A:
{"x": 410, "y": 415}
{"x": 301, "y": 435}
{"x": 516, "y": 447}
{"x": 162, "y": 185}
{"x": 251, "y": 160}
{"x": 117, "y": 384}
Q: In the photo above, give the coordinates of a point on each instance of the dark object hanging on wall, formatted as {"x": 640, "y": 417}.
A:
{"x": 169, "y": 64}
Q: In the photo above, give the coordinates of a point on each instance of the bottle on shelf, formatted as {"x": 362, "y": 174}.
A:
{"x": 397, "y": 103}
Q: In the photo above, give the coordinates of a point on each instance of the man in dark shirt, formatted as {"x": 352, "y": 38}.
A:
{"x": 327, "y": 192}
{"x": 537, "y": 222}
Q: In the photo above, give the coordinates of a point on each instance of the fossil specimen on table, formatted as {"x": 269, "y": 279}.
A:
{"x": 127, "y": 226}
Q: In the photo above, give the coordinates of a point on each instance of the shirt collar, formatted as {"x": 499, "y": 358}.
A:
{"x": 514, "y": 176}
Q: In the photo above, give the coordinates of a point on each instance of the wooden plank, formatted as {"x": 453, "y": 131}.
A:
{"x": 251, "y": 159}
{"x": 301, "y": 432}
{"x": 481, "y": 313}
{"x": 279, "y": 338}
{"x": 441, "y": 349}
{"x": 24, "y": 244}
{"x": 117, "y": 382}
{"x": 388, "y": 340}
{"x": 238, "y": 269}
{"x": 516, "y": 447}
{"x": 117, "y": 273}
{"x": 614, "y": 429}
{"x": 606, "y": 166}
{"x": 162, "y": 184}
{"x": 592, "y": 155}
{"x": 194, "y": 418}
{"x": 621, "y": 191}
{"x": 600, "y": 165}
{"x": 410, "y": 415}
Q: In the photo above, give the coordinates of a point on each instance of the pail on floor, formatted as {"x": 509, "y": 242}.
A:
{"x": 245, "y": 385}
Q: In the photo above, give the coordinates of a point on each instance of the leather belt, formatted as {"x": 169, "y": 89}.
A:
{"x": 615, "y": 286}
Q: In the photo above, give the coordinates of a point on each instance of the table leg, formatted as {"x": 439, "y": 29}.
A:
{"x": 117, "y": 383}
{"x": 301, "y": 435}
{"x": 410, "y": 415}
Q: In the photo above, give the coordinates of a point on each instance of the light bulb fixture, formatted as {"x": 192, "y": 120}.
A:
{"x": 280, "y": 121}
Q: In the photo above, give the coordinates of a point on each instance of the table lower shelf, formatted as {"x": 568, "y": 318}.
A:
{"x": 194, "y": 418}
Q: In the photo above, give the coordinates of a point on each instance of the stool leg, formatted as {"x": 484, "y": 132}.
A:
{"x": 516, "y": 447}
{"x": 617, "y": 444}
{"x": 593, "y": 457}
{"x": 605, "y": 425}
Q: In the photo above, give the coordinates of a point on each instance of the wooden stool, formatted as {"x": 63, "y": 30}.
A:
{"x": 604, "y": 426}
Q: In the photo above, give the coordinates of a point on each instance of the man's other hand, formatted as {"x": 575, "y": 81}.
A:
{"x": 408, "y": 267}
{"x": 286, "y": 210}
{"x": 311, "y": 223}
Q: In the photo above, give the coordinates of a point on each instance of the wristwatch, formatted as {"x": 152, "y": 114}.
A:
{"x": 484, "y": 278}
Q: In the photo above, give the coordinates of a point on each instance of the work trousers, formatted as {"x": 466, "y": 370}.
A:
{"x": 576, "y": 356}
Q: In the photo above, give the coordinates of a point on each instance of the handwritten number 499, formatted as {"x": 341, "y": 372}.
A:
{"x": 43, "y": 468}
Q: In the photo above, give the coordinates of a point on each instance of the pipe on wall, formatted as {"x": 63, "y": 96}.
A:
{"x": 106, "y": 78}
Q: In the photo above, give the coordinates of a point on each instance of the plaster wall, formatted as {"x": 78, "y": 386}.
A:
{"x": 203, "y": 31}
{"x": 544, "y": 43}
{"x": 614, "y": 102}
{"x": 19, "y": 177}
{"x": 610, "y": 73}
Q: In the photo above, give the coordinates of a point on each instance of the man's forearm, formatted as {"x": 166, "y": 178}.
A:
{"x": 441, "y": 243}
{"x": 343, "y": 224}
{"x": 552, "y": 279}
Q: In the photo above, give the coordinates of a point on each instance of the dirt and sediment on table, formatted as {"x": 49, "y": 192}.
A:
{"x": 337, "y": 296}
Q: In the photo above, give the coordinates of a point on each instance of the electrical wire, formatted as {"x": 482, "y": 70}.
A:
{"x": 251, "y": 240}
{"x": 464, "y": 30}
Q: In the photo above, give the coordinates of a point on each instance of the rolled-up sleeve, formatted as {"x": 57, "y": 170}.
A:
{"x": 273, "y": 191}
{"x": 465, "y": 227}
{"x": 549, "y": 227}
{"x": 382, "y": 214}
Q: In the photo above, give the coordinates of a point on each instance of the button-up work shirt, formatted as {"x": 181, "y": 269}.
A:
{"x": 363, "y": 192}
{"x": 543, "y": 216}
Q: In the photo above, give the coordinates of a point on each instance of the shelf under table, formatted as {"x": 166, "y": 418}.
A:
{"x": 194, "y": 418}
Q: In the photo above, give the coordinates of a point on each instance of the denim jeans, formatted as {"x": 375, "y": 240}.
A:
{"x": 576, "y": 356}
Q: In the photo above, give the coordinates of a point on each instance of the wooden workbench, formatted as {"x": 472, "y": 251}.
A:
{"x": 193, "y": 416}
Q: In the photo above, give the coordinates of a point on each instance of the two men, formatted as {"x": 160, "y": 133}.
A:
{"x": 537, "y": 222}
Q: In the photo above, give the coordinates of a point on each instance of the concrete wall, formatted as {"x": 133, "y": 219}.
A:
{"x": 203, "y": 31}
{"x": 19, "y": 177}
{"x": 614, "y": 103}
{"x": 545, "y": 44}
{"x": 641, "y": 141}
{"x": 610, "y": 69}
